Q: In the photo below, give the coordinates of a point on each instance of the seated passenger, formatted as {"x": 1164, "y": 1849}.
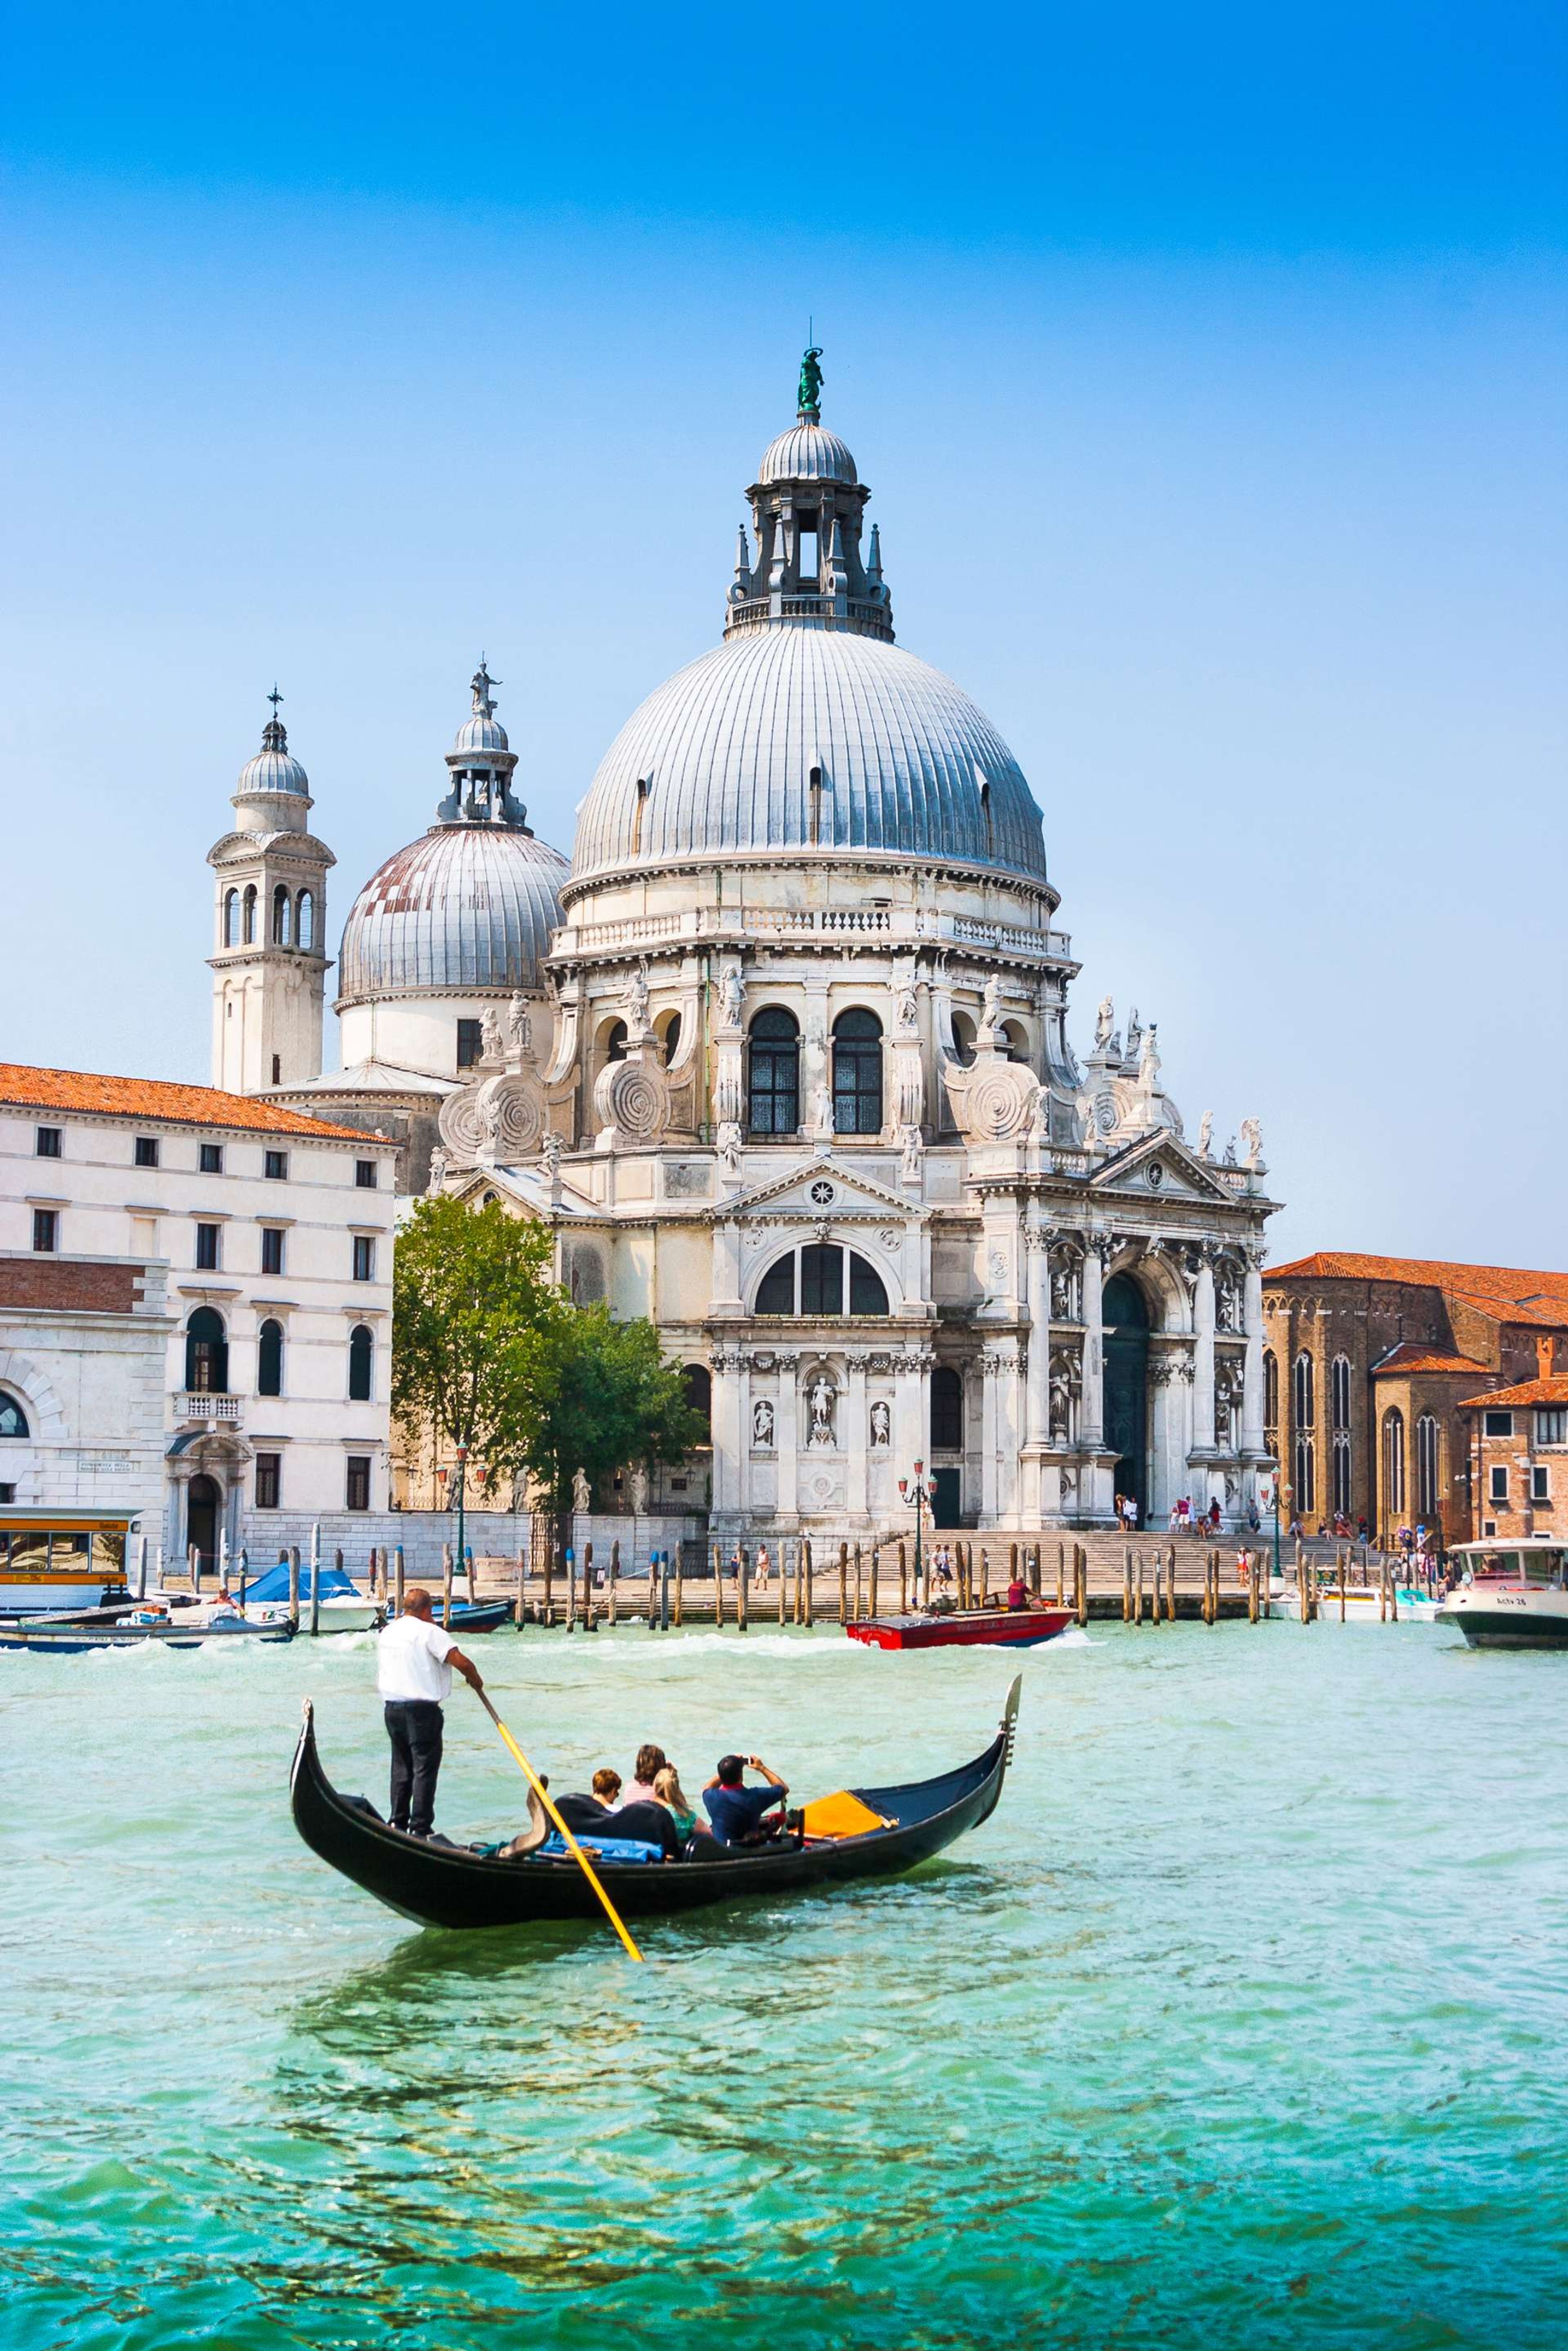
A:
{"x": 736, "y": 1810}
{"x": 651, "y": 1761}
{"x": 669, "y": 1792}
{"x": 584, "y": 1813}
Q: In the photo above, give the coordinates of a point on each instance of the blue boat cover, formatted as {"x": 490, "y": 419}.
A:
{"x": 272, "y": 1583}
{"x": 555, "y": 1847}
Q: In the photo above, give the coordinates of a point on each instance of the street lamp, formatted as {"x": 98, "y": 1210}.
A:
{"x": 462, "y": 1482}
{"x": 924, "y": 1492}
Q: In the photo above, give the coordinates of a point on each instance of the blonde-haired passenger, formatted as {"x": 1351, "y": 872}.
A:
{"x": 668, "y": 1791}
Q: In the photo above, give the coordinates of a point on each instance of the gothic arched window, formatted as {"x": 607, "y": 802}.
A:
{"x": 773, "y": 1080}
{"x": 1271, "y": 1401}
{"x": 947, "y": 1410}
{"x": 248, "y": 922}
{"x": 231, "y": 918}
{"x": 282, "y": 917}
{"x": 1393, "y": 1463}
{"x": 1343, "y": 1467}
{"x": 1427, "y": 1466}
{"x": 269, "y": 1360}
{"x": 857, "y": 1073}
{"x": 304, "y": 920}
{"x": 1304, "y": 1408}
{"x": 1339, "y": 1391}
{"x": 1306, "y": 1478}
{"x": 206, "y": 1353}
{"x": 362, "y": 1363}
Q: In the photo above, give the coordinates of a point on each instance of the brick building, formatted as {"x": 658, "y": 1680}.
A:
{"x": 1519, "y": 1457}
{"x": 1371, "y": 1370}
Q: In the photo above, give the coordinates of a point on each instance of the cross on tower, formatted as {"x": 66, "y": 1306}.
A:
{"x": 275, "y": 698}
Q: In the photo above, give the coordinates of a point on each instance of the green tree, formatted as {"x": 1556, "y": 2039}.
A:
{"x": 608, "y": 1397}
{"x": 472, "y": 1306}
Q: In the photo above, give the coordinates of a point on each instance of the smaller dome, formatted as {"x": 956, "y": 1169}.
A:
{"x": 273, "y": 769}
{"x": 481, "y": 733}
{"x": 467, "y": 908}
{"x": 807, "y": 454}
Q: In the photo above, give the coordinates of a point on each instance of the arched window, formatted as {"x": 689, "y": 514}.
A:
{"x": 1303, "y": 1409}
{"x": 817, "y": 1280}
{"x": 269, "y": 1360}
{"x": 773, "y": 1081}
{"x": 697, "y": 1381}
{"x": 1271, "y": 1401}
{"x": 282, "y": 917}
{"x": 615, "y": 1041}
{"x": 231, "y": 918}
{"x": 963, "y": 1038}
{"x": 672, "y": 1038}
{"x": 1426, "y": 1466}
{"x": 304, "y": 920}
{"x": 947, "y": 1410}
{"x": 1343, "y": 1467}
{"x": 13, "y": 1419}
{"x": 248, "y": 916}
{"x": 1339, "y": 1391}
{"x": 857, "y": 1073}
{"x": 1393, "y": 1463}
{"x": 362, "y": 1363}
{"x": 206, "y": 1353}
{"x": 1015, "y": 1040}
{"x": 1306, "y": 1478}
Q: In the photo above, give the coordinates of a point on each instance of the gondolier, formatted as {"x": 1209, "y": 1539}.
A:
{"x": 413, "y": 1673}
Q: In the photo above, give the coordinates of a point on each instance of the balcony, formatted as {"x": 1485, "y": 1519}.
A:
{"x": 905, "y": 926}
{"x": 191, "y": 1406}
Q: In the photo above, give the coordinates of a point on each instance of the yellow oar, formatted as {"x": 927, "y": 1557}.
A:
{"x": 537, "y": 1784}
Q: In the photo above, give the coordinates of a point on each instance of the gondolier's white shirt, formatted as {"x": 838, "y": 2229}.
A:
{"x": 411, "y": 1662}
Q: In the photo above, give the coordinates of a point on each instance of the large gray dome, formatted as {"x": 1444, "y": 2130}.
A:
{"x": 910, "y": 766}
{"x": 466, "y": 907}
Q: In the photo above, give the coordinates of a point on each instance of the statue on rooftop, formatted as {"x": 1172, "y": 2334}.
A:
{"x": 810, "y": 380}
{"x": 481, "y": 684}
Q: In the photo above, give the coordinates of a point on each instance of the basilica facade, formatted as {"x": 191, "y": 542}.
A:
{"x": 784, "y": 1058}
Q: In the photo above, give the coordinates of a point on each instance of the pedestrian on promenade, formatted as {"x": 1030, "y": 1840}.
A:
{"x": 415, "y": 1659}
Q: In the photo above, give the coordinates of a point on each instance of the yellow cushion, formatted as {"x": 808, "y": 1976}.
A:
{"x": 842, "y": 1816}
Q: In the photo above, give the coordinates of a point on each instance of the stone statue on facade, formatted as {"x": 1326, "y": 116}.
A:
{"x": 913, "y": 1156}
{"x": 811, "y": 385}
{"x": 1252, "y": 1142}
{"x": 823, "y": 1101}
{"x": 551, "y": 1148}
{"x": 581, "y": 1498}
{"x": 1230, "y": 1160}
{"x": 638, "y": 1489}
{"x": 822, "y": 1397}
{"x": 732, "y": 997}
{"x": 1206, "y": 1135}
{"x": 1134, "y": 1032}
{"x": 992, "y": 1006}
{"x": 437, "y": 1177}
{"x": 1104, "y": 1025}
{"x": 492, "y": 1119}
{"x": 881, "y": 1424}
{"x": 635, "y": 999}
{"x": 1149, "y": 1060}
{"x": 480, "y": 685}
{"x": 729, "y": 1147}
{"x": 908, "y": 1015}
{"x": 762, "y": 1422}
{"x": 519, "y": 1025}
{"x": 490, "y": 1034}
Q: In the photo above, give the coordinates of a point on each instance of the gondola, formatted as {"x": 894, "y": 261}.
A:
{"x": 457, "y": 1886}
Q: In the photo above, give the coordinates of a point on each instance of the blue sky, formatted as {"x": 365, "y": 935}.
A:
{"x": 1206, "y": 366}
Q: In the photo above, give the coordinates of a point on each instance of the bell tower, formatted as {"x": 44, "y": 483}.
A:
{"x": 269, "y": 970}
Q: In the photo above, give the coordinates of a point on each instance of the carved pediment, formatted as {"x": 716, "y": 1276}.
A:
{"x": 818, "y": 1189}
{"x": 1159, "y": 1165}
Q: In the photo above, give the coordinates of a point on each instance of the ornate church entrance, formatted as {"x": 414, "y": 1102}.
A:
{"x": 1126, "y": 1316}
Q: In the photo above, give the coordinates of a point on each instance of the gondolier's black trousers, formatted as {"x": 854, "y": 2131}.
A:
{"x": 413, "y": 1726}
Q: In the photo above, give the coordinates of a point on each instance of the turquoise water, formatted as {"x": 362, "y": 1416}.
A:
{"x": 1242, "y": 2021}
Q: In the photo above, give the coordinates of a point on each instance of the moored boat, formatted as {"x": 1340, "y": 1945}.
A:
{"x": 963, "y": 1628}
{"x": 441, "y": 1884}
{"x": 1514, "y": 1596}
{"x": 342, "y": 1608}
{"x": 58, "y": 1635}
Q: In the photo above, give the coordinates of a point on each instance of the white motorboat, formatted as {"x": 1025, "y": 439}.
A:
{"x": 341, "y": 1608}
{"x": 1365, "y": 1603}
{"x": 1514, "y": 1594}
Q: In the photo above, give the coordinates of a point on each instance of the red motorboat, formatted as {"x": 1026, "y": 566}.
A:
{"x": 964, "y": 1629}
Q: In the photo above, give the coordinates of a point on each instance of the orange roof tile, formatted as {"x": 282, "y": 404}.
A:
{"x": 154, "y": 1100}
{"x": 1411, "y": 1355}
{"x": 1549, "y": 1391}
{"x": 1512, "y": 1293}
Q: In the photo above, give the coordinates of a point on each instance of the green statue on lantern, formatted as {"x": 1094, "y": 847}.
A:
{"x": 810, "y": 381}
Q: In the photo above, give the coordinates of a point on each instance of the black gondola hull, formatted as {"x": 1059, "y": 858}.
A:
{"x": 447, "y": 1886}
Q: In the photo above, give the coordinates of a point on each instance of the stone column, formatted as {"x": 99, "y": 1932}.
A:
{"x": 1092, "y": 1404}
{"x": 1008, "y": 1432}
{"x": 988, "y": 1426}
{"x": 911, "y": 1412}
{"x": 727, "y": 1433}
{"x": 1203, "y": 1355}
{"x": 854, "y": 1437}
{"x": 1036, "y": 1421}
{"x": 727, "y": 1269}
{"x": 1253, "y": 1362}
{"x": 743, "y": 1458}
{"x": 788, "y": 1438}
